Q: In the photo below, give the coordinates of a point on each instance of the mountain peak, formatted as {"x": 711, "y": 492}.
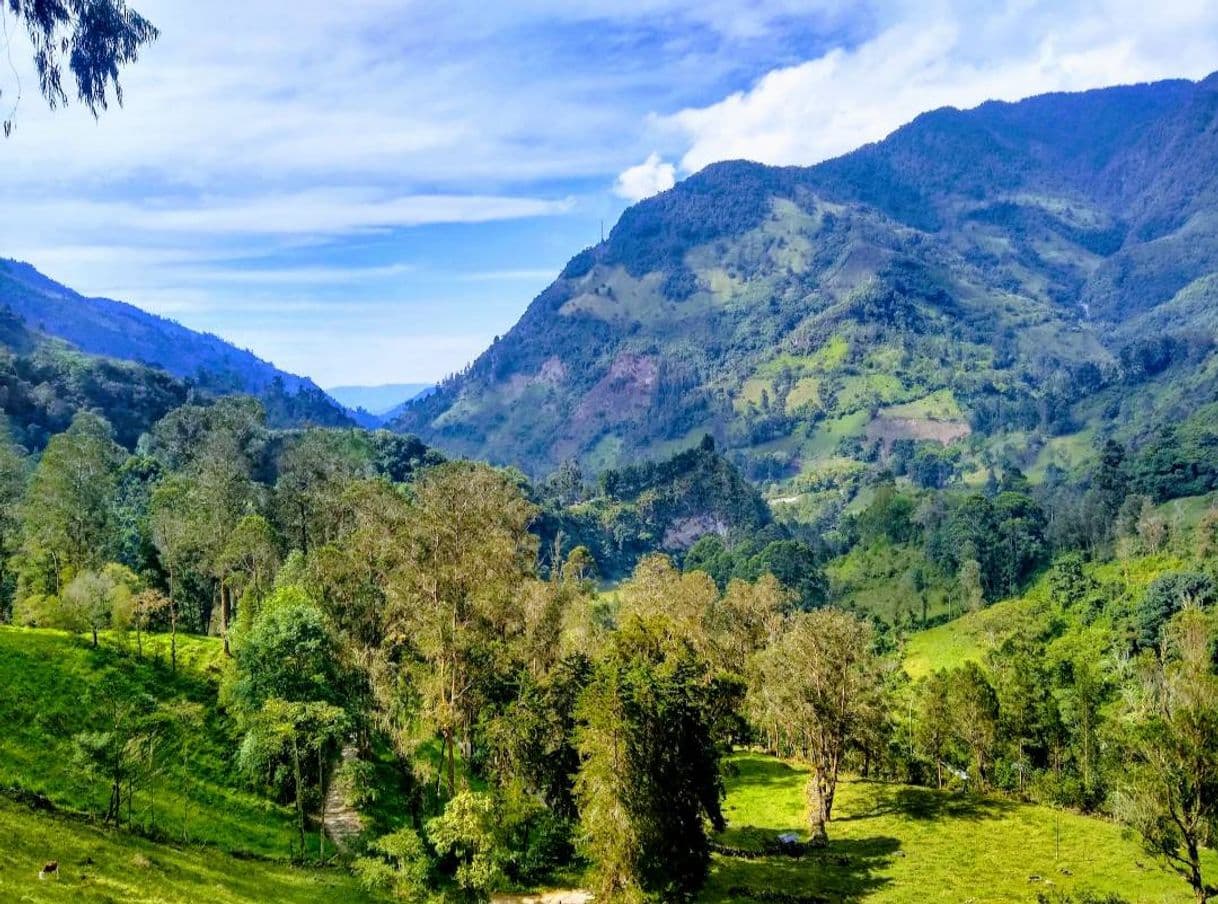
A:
{"x": 922, "y": 288}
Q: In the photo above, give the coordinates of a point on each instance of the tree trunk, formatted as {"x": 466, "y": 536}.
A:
{"x": 173, "y": 626}
{"x": 820, "y": 808}
{"x": 450, "y": 742}
{"x": 300, "y": 813}
{"x": 95, "y": 638}
{"x": 1195, "y": 878}
{"x": 225, "y": 615}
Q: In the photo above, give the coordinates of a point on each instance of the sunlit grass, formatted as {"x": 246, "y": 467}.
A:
{"x": 98, "y": 865}
{"x": 47, "y": 679}
{"x": 895, "y": 843}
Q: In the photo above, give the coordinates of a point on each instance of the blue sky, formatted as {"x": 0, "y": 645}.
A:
{"x": 369, "y": 191}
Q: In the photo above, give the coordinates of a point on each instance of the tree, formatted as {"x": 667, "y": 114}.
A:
{"x": 289, "y": 653}
{"x": 86, "y": 603}
{"x": 69, "y": 508}
{"x": 972, "y": 594}
{"x": 1170, "y": 792}
{"x": 1164, "y": 597}
{"x": 818, "y": 689}
{"x": 248, "y": 562}
{"x": 649, "y": 778}
{"x": 314, "y": 471}
{"x": 13, "y": 473}
{"x": 469, "y": 830}
{"x": 147, "y": 606}
{"x": 92, "y": 38}
{"x": 112, "y": 751}
{"x": 974, "y": 716}
{"x": 293, "y": 730}
{"x": 748, "y": 618}
{"x": 456, "y": 598}
{"x": 178, "y": 544}
{"x": 932, "y": 729}
{"x": 400, "y": 865}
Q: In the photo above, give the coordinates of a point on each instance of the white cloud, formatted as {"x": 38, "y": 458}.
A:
{"x": 953, "y": 54}
{"x": 330, "y": 212}
{"x": 292, "y": 136}
{"x": 650, "y": 177}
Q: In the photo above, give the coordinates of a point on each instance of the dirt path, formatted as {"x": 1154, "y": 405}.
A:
{"x": 569, "y": 896}
{"x": 343, "y": 822}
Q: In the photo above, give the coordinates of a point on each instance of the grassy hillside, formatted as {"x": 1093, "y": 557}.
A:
{"x": 51, "y": 688}
{"x": 893, "y": 843}
{"x": 971, "y": 636}
{"x": 107, "y": 866}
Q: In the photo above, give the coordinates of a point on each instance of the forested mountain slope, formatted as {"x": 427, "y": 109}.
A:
{"x": 115, "y": 330}
{"x": 999, "y": 286}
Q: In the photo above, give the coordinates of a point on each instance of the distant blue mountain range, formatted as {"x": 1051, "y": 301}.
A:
{"x": 381, "y": 400}
{"x": 115, "y": 329}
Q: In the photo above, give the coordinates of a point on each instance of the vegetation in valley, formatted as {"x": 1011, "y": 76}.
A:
{"x": 247, "y": 618}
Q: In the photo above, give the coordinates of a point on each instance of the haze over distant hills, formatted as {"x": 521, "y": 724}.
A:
{"x": 108, "y": 329}
{"x": 1003, "y": 284}
{"x": 377, "y": 400}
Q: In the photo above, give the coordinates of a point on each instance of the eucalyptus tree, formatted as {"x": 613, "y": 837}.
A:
{"x": 91, "y": 39}
{"x": 455, "y": 603}
{"x": 648, "y": 782}
{"x": 69, "y": 507}
{"x": 1169, "y": 791}
{"x": 818, "y": 689}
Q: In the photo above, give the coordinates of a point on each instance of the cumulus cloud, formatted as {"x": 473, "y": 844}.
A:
{"x": 951, "y": 55}
{"x": 648, "y": 178}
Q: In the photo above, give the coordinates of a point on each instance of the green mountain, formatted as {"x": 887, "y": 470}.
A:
{"x": 984, "y": 288}
{"x": 131, "y": 365}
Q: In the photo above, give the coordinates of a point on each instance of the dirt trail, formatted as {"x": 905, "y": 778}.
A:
{"x": 343, "y": 822}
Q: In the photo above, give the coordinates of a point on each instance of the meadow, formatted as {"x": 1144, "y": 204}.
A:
{"x": 893, "y": 844}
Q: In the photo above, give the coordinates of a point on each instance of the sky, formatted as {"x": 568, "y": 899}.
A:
{"x": 369, "y": 191}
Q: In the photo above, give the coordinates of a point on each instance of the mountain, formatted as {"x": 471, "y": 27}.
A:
{"x": 377, "y": 400}
{"x": 115, "y": 330}
{"x": 998, "y": 286}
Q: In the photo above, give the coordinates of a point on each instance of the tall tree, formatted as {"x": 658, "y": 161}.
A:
{"x": 1170, "y": 792}
{"x": 69, "y": 507}
{"x": 315, "y": 469}
{"x": 819, "y": 689}
{"x": 974, "y": 716}
{"x": 13, "y": 474}
{"x": 649, "y": 779}
{"x": 457, "y": 599}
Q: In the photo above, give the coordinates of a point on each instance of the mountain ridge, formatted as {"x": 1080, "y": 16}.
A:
{"x": 113, "y": 329}
{"x": 999, "y": 269}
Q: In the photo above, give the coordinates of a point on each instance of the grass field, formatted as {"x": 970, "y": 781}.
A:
{"x": 971, "y": 636}
{"x": 47, "y": 679}
{"x": 110, "y": 866}
{"x": 892, "y": 844}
